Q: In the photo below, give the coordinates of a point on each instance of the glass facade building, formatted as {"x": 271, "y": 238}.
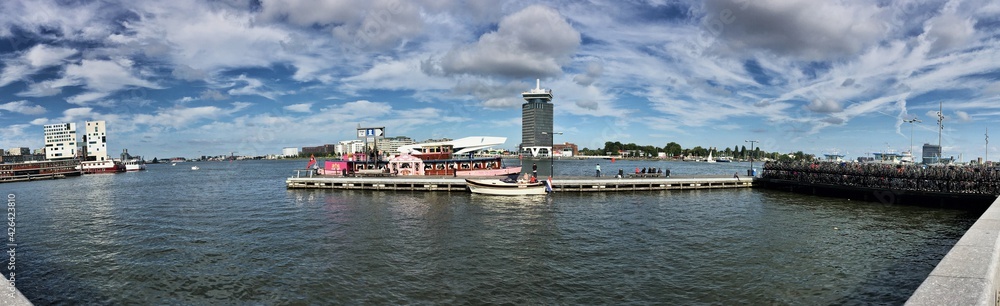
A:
{"x": 536, "y": 117}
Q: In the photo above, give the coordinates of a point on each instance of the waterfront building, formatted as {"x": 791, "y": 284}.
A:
{"x": 1, "y": 152}
{"x": 290, "y": 152}
{"x": 536, "y": 117}
{"x": 19, "y": 151}
{"x": 837, "y": 158}
{"x": 60, "y": 141}
{"x": 392, "y": 144}
{"x": 931, "y": 153}
{"x": 320, "y": 150}
{"x": 96, "y": 140}
{"x": 565, "y": 149}
{"x": 349, "y": 146}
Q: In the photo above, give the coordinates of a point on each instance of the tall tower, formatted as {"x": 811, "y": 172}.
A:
{"x": 536, "y": 117}
{"x": 96, "y": 141}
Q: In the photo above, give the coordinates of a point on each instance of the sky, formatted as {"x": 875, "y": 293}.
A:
{"x": 191, "y": 78}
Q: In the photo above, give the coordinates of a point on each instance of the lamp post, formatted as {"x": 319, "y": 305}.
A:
{"x": 750, "y": 172}
{"x": 552, "y": 143}
{"x": 911, "y": 121}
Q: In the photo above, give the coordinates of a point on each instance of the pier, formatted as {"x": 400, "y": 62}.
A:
{"x": 970, "y": 273}
{"x": 960, "y": 187}
{"x": 564, "y": 184}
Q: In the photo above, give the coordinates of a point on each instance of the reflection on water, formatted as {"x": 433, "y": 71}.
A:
{"x": 232, "y": 234}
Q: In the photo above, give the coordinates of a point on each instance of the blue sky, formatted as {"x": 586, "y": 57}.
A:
{"x": 187, "y": 78}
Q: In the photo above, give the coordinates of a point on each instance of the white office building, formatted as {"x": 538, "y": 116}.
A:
{"x": 60, "y": 141}
{"x": 349, "y": 146}
{"x": 290, "y": 152}
{"x": 96, "y": 141}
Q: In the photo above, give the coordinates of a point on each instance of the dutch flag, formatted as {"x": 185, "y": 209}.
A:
{"x": 548, "y": 185}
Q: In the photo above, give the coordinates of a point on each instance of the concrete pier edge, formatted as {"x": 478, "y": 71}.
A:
{"x": 970, "y": 273}
{"x": 17, "y": 300}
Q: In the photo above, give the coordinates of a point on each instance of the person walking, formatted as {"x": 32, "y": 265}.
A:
{"x": 598, "y": 170}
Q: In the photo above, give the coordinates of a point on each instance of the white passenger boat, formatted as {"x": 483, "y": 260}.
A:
{"x": 499, "y": 187}
{"x": 134, "y": 165}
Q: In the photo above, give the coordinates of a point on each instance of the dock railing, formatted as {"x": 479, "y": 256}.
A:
{"x": 298, "y": 172}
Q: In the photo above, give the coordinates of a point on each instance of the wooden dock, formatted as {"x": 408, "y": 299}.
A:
{"x": 568, "y": 184}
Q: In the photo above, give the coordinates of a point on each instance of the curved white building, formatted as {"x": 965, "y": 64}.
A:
{"x": 461, "y": 146}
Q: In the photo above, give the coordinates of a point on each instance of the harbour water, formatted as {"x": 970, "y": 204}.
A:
{"x": 230, "y": 233}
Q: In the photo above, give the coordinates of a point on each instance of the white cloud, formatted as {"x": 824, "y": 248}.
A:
{"x": 948, "y": 30}
{"x": 803, "y": 29}
{"x": 213, "y": 95}
{"x": 824, "y": 106}
{"x": 32, "y": 61}
{"x": 534, "y": 42}
{"x": 253, "y": 87}
{"x": 80, "y": 114}
{"x": 187, "y": 73}
{"x": 963, "y": 116}
{"x": 299, "y": 108}
{"x": 23, "y": 107}
{"x": 594, "y": 70}
{"x": 181, "y": 117}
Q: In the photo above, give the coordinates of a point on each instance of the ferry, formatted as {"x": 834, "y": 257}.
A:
{"x": 134, "y": 165}
{"x": 105, "y": 166}
{"x": 451, "y": 158}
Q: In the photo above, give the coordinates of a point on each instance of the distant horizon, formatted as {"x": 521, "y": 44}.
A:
{"x": 184, "y": 77}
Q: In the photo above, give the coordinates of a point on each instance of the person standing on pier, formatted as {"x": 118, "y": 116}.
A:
{"x": 534, "y": 170}
{"x": 598, "y": 170}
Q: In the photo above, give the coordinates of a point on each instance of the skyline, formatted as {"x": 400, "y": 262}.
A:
{"x": 191, "y": 78}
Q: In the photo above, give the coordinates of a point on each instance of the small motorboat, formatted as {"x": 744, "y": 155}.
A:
{"x": 500, "y": 187}
{"x": 195, "y": 168}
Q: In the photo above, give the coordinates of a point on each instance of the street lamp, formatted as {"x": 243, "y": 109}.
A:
{"x": 552, "y": 143}
{"x": 911, "y": 121}
{"x": 750, "y": 172}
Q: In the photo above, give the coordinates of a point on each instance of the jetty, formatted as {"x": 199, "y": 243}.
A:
{"x": 970, "y": 273}
{"x": 44, "y": 170}
{"x": 963, "y": 187}
{"x": 559, "y": 184}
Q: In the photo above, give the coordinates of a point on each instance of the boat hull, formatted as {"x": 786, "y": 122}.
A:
{"x": 497, "y": 187}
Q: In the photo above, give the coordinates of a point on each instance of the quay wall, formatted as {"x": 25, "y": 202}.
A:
{"x": 15, "y": 299}
{"x": 558, "y": 184}
{"x": 970, "y": 273}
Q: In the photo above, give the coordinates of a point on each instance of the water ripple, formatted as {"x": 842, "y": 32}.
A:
{"x": 232, "y": 234}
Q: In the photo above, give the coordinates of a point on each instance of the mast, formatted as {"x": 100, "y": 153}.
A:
{"x": 940, "y": 122}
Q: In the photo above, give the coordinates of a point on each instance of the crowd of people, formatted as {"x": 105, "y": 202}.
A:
{"x": 949, "y": 179}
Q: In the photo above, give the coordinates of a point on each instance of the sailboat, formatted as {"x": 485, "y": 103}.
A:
{"x": 709, "y": 159}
